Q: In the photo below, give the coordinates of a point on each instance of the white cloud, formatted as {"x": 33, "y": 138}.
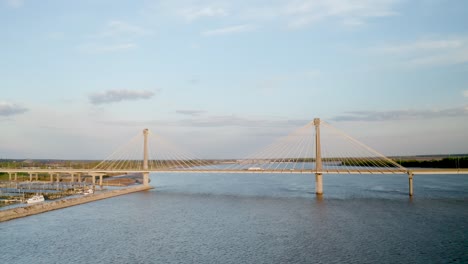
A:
{"x": 116, "y": 36}
{"x": 190, "y": 112}
{"x": 297, "y": 14}
{"x": 465, "y": 93}
{"x": 15, "y": 3}
{"x": 112, "y": 96}
{"x": 216, "y": 121}
{"x": 9, "y": 109}
{"x": 192, "y": 14}
{"x": 105, "y": 48}
{"x": 401, "y": 114}
{"x": 291, "y": 14}
{"x": 229, "y": 30}
{"x": 431, "y": 52}
{"x": 423, "y": 45}
{"x": 116, "y": 28}
{"x": 353, "y": 22}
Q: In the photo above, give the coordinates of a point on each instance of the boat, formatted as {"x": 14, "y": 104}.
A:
{"x": 89, "y": 191}
{"x": 35, "y": 199}
{"x": 254, "y": 169}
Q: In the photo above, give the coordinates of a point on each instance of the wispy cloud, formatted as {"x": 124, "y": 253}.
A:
{"x": 116, "y": 28}
{"x": 112, "y": 96}
{"x": 218, "y": 121}
{"x": 273, "y": 84}
{"x": 15, "y": 3}
{"x": 429, "y": 52}
{"x": 191, "y": 14}
{"x": 465, "y": 93}
{"x": 297, "y": 14}
{"x": 116, "y": 36}
{"x": 423, "y": 45}
{"x": 289, "y": 14}
{"x": 10, "y": 109}
{"x": 106, "y": 48}
{"x": 304, "y": 12}
{"x": 194, "y": 81}
{"x": 400, "y": 114}
{"x": 190, "y": 112}
{"x": 229, "y": 30}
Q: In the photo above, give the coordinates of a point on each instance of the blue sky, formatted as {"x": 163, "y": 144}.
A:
{"x": 223, "y": 78}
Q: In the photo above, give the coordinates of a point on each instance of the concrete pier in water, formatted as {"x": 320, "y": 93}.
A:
{"x": 318, "y": 159}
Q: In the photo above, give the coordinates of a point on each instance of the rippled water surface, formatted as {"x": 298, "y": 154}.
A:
{"x": 255, "y": 218}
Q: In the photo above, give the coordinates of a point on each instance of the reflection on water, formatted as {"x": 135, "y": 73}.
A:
{"x": 255, "y": 218}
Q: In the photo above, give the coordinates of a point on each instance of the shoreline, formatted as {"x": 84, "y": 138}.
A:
{"x": 39, "y": 208}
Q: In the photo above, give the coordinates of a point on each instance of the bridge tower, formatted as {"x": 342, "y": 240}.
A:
{"x": 145, "y": 157}
{"x": 318, "y": 159}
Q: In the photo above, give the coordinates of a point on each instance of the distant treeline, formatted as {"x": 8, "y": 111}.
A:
{"x": 461, "y": 162}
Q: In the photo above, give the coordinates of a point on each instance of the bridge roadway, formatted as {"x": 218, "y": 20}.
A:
{"x": 414, "y": 171}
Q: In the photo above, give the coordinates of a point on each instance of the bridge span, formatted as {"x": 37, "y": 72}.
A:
{"x": 316, "y": 148}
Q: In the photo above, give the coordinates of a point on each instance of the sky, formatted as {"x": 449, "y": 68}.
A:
{"x": 223, "y": 78}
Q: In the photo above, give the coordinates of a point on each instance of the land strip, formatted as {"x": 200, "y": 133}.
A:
{"x": 49, "y": 206}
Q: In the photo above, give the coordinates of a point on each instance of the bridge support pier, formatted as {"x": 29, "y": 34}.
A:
{"x": 100, "y": 181}
{"x": 94, "y": 181}
{"x": 410, "y": 183}
{"x": 72, "y": 177}
{"x": 318, "y": 184}
{"x": 16, "y": 176}
{"x": 146, "y": 178}
{"x": 318, "y": 159}
{"x": 145, "y": 157}
{"x": 30, "y": 177}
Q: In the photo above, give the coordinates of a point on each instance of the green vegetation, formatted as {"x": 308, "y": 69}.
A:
{"x": 367, "y": 162}
{"x": 459, "y": 162}
{"x": 47, "y": 164}
{"x": 409, "y": 162}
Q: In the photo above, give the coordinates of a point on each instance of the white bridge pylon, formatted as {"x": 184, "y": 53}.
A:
{"x": 317, "y": 147}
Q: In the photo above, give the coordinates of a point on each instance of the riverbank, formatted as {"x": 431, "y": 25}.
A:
{"x": 49, "y": 206}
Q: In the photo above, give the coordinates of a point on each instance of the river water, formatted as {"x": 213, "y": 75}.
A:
{"x": 255, "y": 218}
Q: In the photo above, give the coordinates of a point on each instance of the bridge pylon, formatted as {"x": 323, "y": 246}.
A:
{"x": 318, "y": 159}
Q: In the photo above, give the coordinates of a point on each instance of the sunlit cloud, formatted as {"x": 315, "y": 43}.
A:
{"x": 112, "y": 96}
{"x": 10, "y": 109}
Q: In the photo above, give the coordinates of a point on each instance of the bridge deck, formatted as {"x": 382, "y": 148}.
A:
{"x": 292, "y": 171}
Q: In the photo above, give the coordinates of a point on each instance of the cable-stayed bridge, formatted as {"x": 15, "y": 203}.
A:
{"x": 316, "y": 148}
